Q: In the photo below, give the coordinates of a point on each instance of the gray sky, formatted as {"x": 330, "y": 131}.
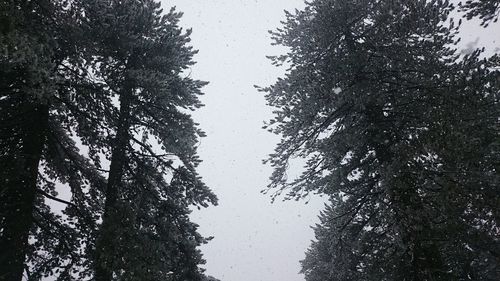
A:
{"x": 254, "y": 240}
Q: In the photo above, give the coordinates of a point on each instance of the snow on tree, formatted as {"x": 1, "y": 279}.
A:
{"x": 37, "y": 59}
{"x": 486, "y": 10}
{"x": 109, "y": 77}
{"x": 399, "y": 131}
{"x": 141, "y": 58}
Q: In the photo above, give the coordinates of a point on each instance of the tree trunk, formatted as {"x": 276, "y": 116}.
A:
{"x": 105, "y": 248}
{"x": 18, "y": 191}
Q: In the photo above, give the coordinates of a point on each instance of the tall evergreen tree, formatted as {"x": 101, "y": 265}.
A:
{"x": 378, "y": 103}
{"x": 141, "y": 58}
{"x": 108, "y": 74}
{"x": 34, "y": 46}
{"x": 42, "y": 71}
{"x": 22, "y": 138}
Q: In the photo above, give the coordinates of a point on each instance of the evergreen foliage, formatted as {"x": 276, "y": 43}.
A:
{"x": 38, "y": 48}
{"x": 108, "y": 77}
{"x": 486, "y": 10}
{"x": 140, "y": 60}
{"x": 399, "y": 131}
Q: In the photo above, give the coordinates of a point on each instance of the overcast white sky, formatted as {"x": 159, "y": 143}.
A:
{"x": 254, "y": 240}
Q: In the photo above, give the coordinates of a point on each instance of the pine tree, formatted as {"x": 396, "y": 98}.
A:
{"x": 378, "y": 103}
{"x": 22, "y": 138}
{"x": 39, "y": 59}
{"x": 141, "y": 56}
{"x": 93, "y": 52}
